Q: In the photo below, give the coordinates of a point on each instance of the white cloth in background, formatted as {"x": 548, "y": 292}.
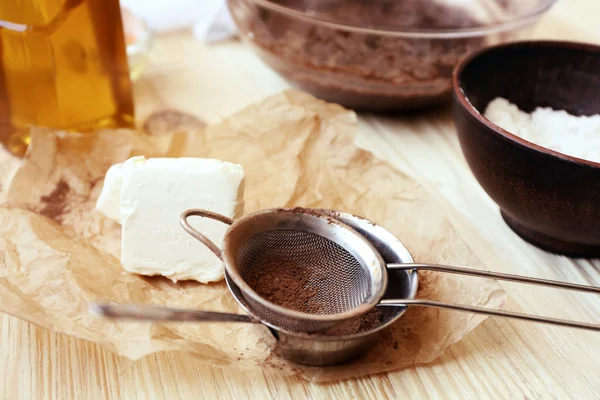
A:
{"x": 209, "y": 19}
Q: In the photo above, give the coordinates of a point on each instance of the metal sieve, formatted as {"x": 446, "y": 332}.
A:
{"x": 291, "y": 263}
{"x": 320, "y": 349}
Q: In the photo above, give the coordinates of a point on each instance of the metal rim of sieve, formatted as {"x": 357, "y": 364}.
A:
{"x": 302, "y": 220}
{"x": 382, "y": 239}
{"x": 326, "y": 227}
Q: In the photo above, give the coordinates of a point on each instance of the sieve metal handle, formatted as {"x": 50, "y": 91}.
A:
{"x": 488, "y": 311}
{"x": 155, "y": 313}
{"x": 183, "y": 220}
{"x": 496, "y": 275}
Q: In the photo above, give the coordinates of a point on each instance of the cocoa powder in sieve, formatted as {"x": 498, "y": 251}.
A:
{"x": 287, "y": 284}
{"x": 292, "y": 286}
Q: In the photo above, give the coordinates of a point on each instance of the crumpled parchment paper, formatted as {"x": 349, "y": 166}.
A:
{"x": 58, "y": 254}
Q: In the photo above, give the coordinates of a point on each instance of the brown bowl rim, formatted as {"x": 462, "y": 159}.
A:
{"x": 462, "y": 98}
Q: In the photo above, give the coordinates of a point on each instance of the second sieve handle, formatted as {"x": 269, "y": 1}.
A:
{"x": 183, "y": 220}
{"x": 154, "y": 313}
{"x": 487, "y": 311}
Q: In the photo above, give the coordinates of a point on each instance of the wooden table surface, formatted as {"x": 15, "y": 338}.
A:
{"x": 500, "y": 359}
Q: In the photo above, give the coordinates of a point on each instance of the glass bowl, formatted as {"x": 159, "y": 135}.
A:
{"x": 379, "y": 55}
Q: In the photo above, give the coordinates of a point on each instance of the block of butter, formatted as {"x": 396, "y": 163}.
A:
{"x": 148, "y": 196}
{"x": 109, "y": 201}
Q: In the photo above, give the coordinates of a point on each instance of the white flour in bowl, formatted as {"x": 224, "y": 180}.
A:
{"x": 553, "y": 129}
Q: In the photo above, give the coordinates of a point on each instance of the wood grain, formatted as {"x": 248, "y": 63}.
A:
{"x": 500, "y": 359}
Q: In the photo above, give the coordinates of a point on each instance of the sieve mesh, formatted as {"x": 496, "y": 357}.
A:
{"x": 301, "y": 271}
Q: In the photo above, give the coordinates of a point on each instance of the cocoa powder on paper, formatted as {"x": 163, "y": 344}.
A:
{"x": 55, "y": 203}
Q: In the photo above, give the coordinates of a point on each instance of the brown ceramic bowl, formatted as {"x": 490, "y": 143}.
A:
{"x": 550, "y": 199}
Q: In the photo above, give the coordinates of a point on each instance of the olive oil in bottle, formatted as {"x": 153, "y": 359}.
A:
{"x": 63, "y": 65}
